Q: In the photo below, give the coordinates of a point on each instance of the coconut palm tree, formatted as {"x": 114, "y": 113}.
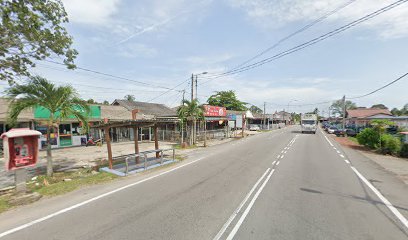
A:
{"x": 191, "y": 112}
{"x": 61, "y": 101}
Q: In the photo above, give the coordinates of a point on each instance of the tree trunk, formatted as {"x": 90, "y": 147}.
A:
{"x": 49, "y": 155}
{"x": 191, "y": 133}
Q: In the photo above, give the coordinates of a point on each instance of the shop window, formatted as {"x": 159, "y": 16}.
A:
{"x": 65, "y": 129}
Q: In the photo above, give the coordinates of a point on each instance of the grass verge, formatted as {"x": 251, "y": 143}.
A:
{"x": 353, "y": 139}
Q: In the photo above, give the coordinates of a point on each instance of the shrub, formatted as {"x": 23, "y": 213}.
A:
{"x": 390, "y": 144}
{"x": 404, "y": 150}
{"x": 368, "y": 137}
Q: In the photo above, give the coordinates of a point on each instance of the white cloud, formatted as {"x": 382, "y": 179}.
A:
{"x": 136, "y": 50}
{"x": 272, "y": 14}
{"x": 94, "y": 12}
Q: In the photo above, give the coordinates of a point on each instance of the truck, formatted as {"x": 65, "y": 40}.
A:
{"x": 308, "y": 123}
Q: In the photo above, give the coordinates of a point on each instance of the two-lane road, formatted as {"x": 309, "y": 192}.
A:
{"x": 276, "y": 185}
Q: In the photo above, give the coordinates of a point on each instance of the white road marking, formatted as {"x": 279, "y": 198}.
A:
{"x": 282, "y": 151}
{"x": 341, "y": 155}
{"x": 282, "y": 156}
{"x": 277, "y": 163}
{"x": 387, "y": 203}
{"x": 242, "y": 218}
{"x": 285, "y": 152}
{"x": 347, "y": 161}
{"x": 16, "y": 229}
{"x": 273, "y": 162}
{"x": 278, "y": 156}
{"x": 235, "y": 213}
{"x": 338, "y": 151}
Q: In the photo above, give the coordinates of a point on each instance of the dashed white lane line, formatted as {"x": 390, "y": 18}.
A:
{"x": 242, "y": 218}
{"x": 235, "y": 213}
{"x": 341, "y": 155}
{"x": 277, "y": 163}
{"x": 387, "y": 203}
{"x": 282, "y": 151}
{"x": 285, "y": 152}
{"x": 273, "y": 162}
{"x": 282, "y": 156}
{"x": 278, "y": 156}
{"x": 338, "y": 151}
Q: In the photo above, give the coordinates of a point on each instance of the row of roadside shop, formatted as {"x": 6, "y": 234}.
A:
{"x": 69, "y": 132}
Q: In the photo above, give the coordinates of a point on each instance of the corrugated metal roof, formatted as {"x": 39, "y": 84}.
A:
{"x": 115, "y": 112}
{"x": 26, "y": 115}
{"x": 367, "y": 112}
{"x": 156, "y": 109}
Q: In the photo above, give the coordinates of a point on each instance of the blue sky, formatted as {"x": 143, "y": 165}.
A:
{"x": 161, "y": 42}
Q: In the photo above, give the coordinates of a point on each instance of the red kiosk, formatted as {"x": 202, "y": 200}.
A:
{"x": 20, "y": 148}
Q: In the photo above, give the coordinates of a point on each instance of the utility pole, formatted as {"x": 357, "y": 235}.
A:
{"x": 182, "y": 123}
{"x": 344, "y": 111}
{"x": 192, "y": 87}
{"x": 264, "y": 115}
{"x": 196, "y": 90}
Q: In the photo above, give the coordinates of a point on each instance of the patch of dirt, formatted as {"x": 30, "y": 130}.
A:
{"x": 348, "y": 143}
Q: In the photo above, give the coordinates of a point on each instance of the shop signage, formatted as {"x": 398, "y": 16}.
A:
{"x": 41, "y": 112}
{"x": 232, "y": 117}
{"x": 214, "y": 111}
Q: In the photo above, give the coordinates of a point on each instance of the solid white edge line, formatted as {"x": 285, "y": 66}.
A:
{"x": 347, "y": 161}
{"x": 232, "y": 217}
{"x": 341, "y": 155}
{"x": 387, "y": 203}
{"x": 242, "y": 218}
{"x": 16, "y": 229}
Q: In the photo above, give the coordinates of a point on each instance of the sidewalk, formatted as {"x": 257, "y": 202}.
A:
{"x": 77, "y": 157}
{"x": 395, "y": 165}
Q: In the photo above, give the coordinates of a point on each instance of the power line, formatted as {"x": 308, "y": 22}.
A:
{"x": 302, "y": 29}
{"x": 170, "y": 90}
{"x": 112, "y": 76}
{"x": 311, "y": 42}
{"x": 378, "y": 89}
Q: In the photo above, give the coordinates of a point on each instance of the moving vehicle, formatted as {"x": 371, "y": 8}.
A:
{"x": 308, "y": 122}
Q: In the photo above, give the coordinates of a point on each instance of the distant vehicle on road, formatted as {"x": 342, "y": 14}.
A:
{"x": 340, "y": 132}
{"x": 254, "y": 127}
{"x": 308, "y": 122}
{"x": 331, "y": 129}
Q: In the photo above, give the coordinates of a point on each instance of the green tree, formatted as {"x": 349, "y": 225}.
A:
{"x": 60, "y": 101}
{"x": 396, "y": 112}
{"x": 337, "y": 106}
{"x": 105, "y": 102}
{"x": 380, "y": 126}
{"x": 130, "y": 98}
{"x": 255, "y": 109}
{"x": 227, "y": 99}
{"x": 32, "y": 30}
{"x": 316, "y": 111}
{"x": 91, "y": 101}
{"x": 190, "y": 112}
{"x": 380, "y": 106}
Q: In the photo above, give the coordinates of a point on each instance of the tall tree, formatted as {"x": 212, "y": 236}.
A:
{"x": 130, "y": 98}
{"x": 380, "y": 106}
{"x": 227, "y": 99}
{"x": 91, "y": 101}
{"x": 106, "y": 102}
{"x": 255, "y": 109}
{"x": 396, "y": 112}
{"x": 337, "y": 106}
{"x": 32, "y": 30}
{"x": 190, "y": 112}
{"x": 61, "y": 102}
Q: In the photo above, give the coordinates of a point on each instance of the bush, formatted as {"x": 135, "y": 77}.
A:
{"x": 404, "y": 150}
{"x": 390, "y": 144}
{"x": 368, "y": 137}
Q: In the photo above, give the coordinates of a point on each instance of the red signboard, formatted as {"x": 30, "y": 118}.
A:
{"x": 214, "y": 111}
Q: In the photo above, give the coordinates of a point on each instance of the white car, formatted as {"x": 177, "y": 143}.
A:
{"x": 254, "y": 127}
{"x": 331, "y": 130}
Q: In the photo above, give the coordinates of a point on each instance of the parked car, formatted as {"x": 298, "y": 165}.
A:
{"x": 331, "y": 129}
{"x": 340, "y": 132}
{"x": 254, "y": 127}
{"x": 351, "y": 133}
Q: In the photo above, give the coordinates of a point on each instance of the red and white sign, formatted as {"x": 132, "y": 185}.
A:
{"x": 214, "y": 111}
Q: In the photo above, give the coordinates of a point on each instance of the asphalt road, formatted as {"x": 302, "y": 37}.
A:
{"x": 277, "y": 185}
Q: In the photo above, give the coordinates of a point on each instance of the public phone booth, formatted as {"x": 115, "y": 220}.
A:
{"x": 20, "y": 148}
